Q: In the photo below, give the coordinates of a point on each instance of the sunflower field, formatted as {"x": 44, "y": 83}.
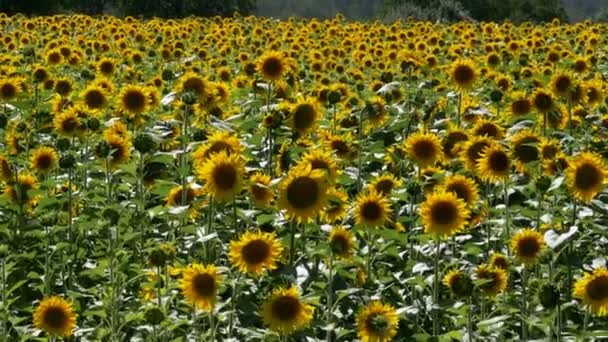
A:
{"x": 250, "y": 179}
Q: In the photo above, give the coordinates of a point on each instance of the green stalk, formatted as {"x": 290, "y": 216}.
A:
{"x": 235, "y": 217}
{"x": 330, "y": 280}
{"x": 369, "y": 260}
{"x": 524, "y": 304}
{"x": 436, "y": 289}
{"x": 470, "y": 319}
{"x": 212, "y": 325}
{"x": 360, "y": 160}
{"x": 207, "y": 245}
{"x": 4, "y": 299}
{"x": 459, "y": 109}
{"x": 292, "y": 242}
{"x": 507, "y": 213}
{"x": 159, "y": 287}
{"x": 559, "y": 322}
{"x": 235, "y": 289}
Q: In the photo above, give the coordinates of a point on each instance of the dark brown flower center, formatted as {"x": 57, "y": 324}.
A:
{"x": 371, "y": 211}
{"x": 224, "y": 176}
{"x": 424, "y": 149}
{"x": 55, "y": 317}
{"x": 587, "y": 177}
{"x": 528, "y": 247}
{"x": 597, "y": 289}
{"x": 463, "y": 74}
{"x": 303, "y": 116}
{"x": 498, "y": 161}
{"x": 255, "y": 252}
{"x": 286, "y": 308}
{"x": 303, "y": 192}
{"x": 444, "y": 212}
{"x": 203, "y": 284}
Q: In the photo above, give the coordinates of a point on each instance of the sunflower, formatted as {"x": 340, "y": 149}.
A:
{"x": 496, "y": 279}
{"x": 424, "y": 148}
{"x": 385, "y": 184}
{"x": 44, "y": 159}
{"x": 499, "y": 260}
{"x": 463, "y": 74}
{"x": 549, "y": 148}
{"x": 272, "y": 65}
{"x": 119, "y": 149}
{"x": 304, "y": 115}
{"x": 520, "y": 104}
{"x": 562, "y": 83}
{"x": 464, "y": 188}
{"x": 542, "y": 101}
{"x": 94, "y": 97}
{"x": 303, "y": 193}
{"x": 377, "y": 322}
{"x": 9, "y": 89}
{"x": 192, "y": 83}
{"x": 133, "y": 100}
{"x": 527, "y": 244}
{"x": 337, "y": 205}
{"x": 200, "y": 284}
{"x": 341, "y": 145}
{"x": 459, "y": 283}
{"x": 55, "y": 316}
{"x": 106, "y": 66}
{"x": 443, "y": 214}
{"x": 489, "y": 128}
{"x": 494, "y": 163}
{"x": 585, "y": 175}
{"x": 6, "y": 170}
{"x": 67, "y": 123}
{"x": 222, "y": 174}
{"x": 453, "y": 141}
{"x": 260, "y": 189}
{"x": 18, "y": 191}
{"x": 176, "y": 195}
{"x": 341, "y": 242}
{"x": 524, "y": 145}
{"x": 372, "y": 209}
{"x": 217, "y": 142}
{"x": 472, "y": 150}
{"x": 592, "y": 289}
{"x": 321, "y": 160}
{"x": 255, "y": 252}
{"x": 285, "y": 312}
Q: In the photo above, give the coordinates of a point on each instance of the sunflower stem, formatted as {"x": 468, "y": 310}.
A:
{"x": 70, "y": 228}
{"x": 459, "y": 109}
{"x": 586, "y": 322}
{"x": 360, "y": 160}
{"x": 235, "y": 289}
{"x": 507, "y": 216}
{"x": 370, "y": 247}
{"x": 4, "y": 301}
{"x": 108, "y": 181}
{"x": 292, "y": 242}
{"x": 333, "y": 119}
{"x": 330, "y": 280}
{"x": 159, "y": 287}
{"x": 212, "y": 325}
{"x": 470, "y": 319}
{"x": 47, "y": 262}
{"x": 524, "y": 304}
{"x": 207, "y": 244}
{"x": 558, "y": 317}
{"x": 436, "y": 289}
{"x": 235, "y": 217}
{"x": 544, "y": 124}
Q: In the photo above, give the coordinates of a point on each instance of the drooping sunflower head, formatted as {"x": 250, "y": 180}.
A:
{"x": 463, "y": 74}
{"x": 337, "y": 206}
{"x": 372, "y": 209}
{"x": 222, "y": 174}
{"x": 303, "y": 193}
{"x": 260, "y": 189}
{"x": 496, "y": 279}
{"x": 44, "y": 159}
{"x": 177, "y": 196}
{"x": 527, "y": 244}
{"x": 592, "y": 289}
{"x": 132, "y": 99}
{"x": 385, "y": 184}
{"x": 463, "y": 187}
{"x": 459, "y": 283}
{"x": 55, "y": 316}
{"x": 255, "y": 252}
{"x": 285, "y": 312}
{"x": 443, "y": 214}
{"x": 341, "y": 242}
{"x": 377, "y": 322}
{"x": 494, "y": 163}
{"x": 199, "y": 285}
{"x": 472, "y": 150}
{"x": 272, "y": 65}
{"x": 586, "y": 175}
{"x": 424, "y": 148}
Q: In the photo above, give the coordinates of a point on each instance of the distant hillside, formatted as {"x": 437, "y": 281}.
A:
{"x": 581, "y": 9}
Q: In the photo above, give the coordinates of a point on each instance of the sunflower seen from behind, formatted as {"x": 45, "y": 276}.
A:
{"x": 55, "y": 316}
{"x": 223, "y": 175}
{"x": 592, "y": 289}
{"x": 377, "y": 322}
{"x": 285, "y": 311}
{"x": 303, "y": 193}
{"x": 527, "y": 245}
{"x": 585, "y": 175}
{"x": 255, "y": 252}
{"x": 199, "y": 285}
